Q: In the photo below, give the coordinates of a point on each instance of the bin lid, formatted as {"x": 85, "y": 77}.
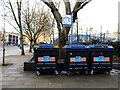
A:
{"x": 105, "y": 46}
{"x": 77, "y": 46}
{"x": 46, "y": 46}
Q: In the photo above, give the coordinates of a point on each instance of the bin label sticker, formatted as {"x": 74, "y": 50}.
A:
{"x": 78, "y": 59}
{"x": 46, "y": 59}
{"x": 101, "y": 59}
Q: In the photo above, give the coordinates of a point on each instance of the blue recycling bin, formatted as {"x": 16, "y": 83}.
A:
{"x": 46, "y": 58}
{"x": 101, "y": 57}
{"x": 76, "y": 58}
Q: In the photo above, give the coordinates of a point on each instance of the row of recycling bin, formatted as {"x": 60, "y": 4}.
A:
{"x": 77, "y": 57}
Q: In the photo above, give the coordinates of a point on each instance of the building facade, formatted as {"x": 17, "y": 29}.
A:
{"x": 11, "y": 38}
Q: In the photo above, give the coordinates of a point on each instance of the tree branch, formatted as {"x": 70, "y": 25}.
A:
{"x": 82, "y": 5}
{"x": 67, "y": 7}
{"x": 54, "y": 11}
{"x": 79, "y": 5}
{"x": 13, "y": 26}
{"x": 13, "y": 13}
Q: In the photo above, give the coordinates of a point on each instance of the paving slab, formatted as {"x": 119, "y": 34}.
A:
{"x": 15, "y": 82}
{"x": 22, "y": 86}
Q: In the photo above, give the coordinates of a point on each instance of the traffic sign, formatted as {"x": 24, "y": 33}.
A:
{"x": 67, "y": 20}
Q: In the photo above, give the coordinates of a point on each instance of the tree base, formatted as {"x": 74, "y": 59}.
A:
{"x": 6, "y": 64}
{"x": 22, "y": 54}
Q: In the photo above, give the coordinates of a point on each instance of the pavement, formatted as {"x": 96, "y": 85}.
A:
{"x": 13, "y": 76}
{"x": 12, "y": 50}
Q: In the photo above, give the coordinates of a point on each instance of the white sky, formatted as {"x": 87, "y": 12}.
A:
{"x": 100, "y": 12}
{"x": 94, "y": 14}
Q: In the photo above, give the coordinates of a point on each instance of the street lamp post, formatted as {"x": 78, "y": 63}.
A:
{"x": 101, "y": 33}
{"x": 44, "y": 36}
{"x": 118, "y": 31}
{"x": 72, "y": 29}
{"x": 86, "y": 35}
{"x": 53, "y": 29}
{"x": 77, "y": 29}
{"x": 4, "y": 35}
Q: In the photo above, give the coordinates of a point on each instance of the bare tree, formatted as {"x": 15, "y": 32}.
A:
{"x": 37, "y": 22}
{"x": 64, "y": 31}
{"x": 18, "y": 20}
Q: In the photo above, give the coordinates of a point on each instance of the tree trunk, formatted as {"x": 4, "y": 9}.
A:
{"x": 30, "y": 50}
{"x": 20, "y": 27}
{"x": 35, "y": 41}
{"x": 21, "y": 42}
{"x": 63, "y": 37}
{"x": 60, "y": 46}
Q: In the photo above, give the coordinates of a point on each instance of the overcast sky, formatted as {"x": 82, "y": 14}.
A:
{"x": 100, "y": 12}
{"x": 94, "y": 14}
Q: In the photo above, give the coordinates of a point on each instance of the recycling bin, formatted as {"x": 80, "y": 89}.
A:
{"x": 76, "y": 58}
{"x": 101, "y": 57}
{"x": 46, "y": 58}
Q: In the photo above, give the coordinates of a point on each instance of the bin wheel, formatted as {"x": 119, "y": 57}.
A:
{"x": 68, "y": 74}
{"x": 86, "y": 72}
{"x": 91, "y": 72}
{"x": 38, "y": 73}
{"x": 108, "y": 73}
{"x": 56, "y": 72}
